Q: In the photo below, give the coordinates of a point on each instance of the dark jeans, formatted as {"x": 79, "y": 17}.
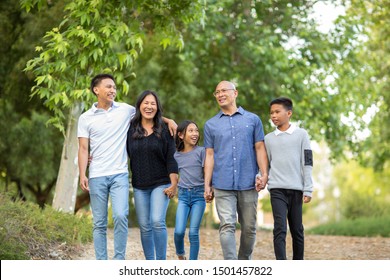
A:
{"x": 287, "y": 206}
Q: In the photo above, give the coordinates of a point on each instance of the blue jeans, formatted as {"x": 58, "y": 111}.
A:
{"x": 151, "y": 207}
{"x": 191, "y": 205}
{"x": 100, "y": 188}
{"x": 229, "y": 204}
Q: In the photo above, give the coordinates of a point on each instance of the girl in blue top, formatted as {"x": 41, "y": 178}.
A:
{"x": 190, "y": 159}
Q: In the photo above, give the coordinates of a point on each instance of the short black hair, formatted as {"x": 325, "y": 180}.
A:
{"x": 98, "y": 78}
{"x": 286, "y": 102}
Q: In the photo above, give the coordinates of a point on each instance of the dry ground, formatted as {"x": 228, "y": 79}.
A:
{"x": 317, "y": 247}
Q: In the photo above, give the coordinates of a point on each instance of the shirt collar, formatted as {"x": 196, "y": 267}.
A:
{"x": 290, "y": 130}
{"x": 95, "y": 108}
{"x": 240, "y": 110}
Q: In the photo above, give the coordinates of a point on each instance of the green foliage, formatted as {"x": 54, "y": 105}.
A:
{"x": 373, "y": 226}
{"x": 132, "y": 214}
{"x": 356, "y": 206}
{"x": 362, "y": 192}
{"x": 33, "y": 150}
{"x": 379, "y": 46}
{"x": 29, "y": 4}
{"x": 100, "y": 36}
{"x": 26, "y": 136}
{"x": 33, "y": 153}
{"x": 171, "y": 212}
{"x": 363, "y": 74}
{"x": 266, "y": 204}
{"x": 28, "y": 232}
{"x": 20, "y": 33}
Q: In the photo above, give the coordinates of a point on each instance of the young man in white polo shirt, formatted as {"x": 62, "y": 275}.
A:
{"x": 103, "y": 129}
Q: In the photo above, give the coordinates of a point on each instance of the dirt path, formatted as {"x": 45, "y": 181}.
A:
{"x": 317, "y": 247}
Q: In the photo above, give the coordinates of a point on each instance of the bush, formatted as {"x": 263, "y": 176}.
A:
{"x": 28, "y": 232}
{"x": 359, "y": 205}
{"x": 366, "y": 226}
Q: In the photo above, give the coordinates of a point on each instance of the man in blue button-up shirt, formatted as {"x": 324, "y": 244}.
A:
{"x": 235, "y": 153}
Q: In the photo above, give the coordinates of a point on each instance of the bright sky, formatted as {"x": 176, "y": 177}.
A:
{"x": 326, "y": 12}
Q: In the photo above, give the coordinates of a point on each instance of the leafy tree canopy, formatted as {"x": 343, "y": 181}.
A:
{"x": 100, "y": 36}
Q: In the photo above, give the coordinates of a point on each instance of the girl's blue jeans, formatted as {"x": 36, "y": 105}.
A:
{"x": 191, "y": 206}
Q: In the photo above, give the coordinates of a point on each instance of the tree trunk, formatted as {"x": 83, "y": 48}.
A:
{"x": 68, "y": 174}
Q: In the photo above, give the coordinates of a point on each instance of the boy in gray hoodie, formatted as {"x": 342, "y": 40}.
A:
{"x": 290, "y": 177}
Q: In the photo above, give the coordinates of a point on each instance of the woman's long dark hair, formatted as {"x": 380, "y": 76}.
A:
{"x": 136, "y": 125}
{"x": 182, "y": 129}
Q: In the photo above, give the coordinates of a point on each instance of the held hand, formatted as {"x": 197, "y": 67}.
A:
{"x": 261, "y": 182}
{"x": 208, "y": 194}
{"x": 84, "y": 184}
{"x": 170, "y": 191}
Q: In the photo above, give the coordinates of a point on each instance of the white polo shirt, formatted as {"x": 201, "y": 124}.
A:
{"x": 107, "y": 132}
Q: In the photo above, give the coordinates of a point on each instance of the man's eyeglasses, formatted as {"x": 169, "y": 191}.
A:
{"x": 223, "y": 91}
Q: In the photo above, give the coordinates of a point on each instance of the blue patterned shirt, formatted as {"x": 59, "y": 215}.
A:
{"x": 233, "y": 139}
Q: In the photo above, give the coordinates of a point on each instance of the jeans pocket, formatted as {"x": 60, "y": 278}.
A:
{"x": 199, "y": 191}
{"x": 181, "y": 191}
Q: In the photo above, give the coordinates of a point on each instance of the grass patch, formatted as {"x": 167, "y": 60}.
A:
{"x": 28, "y": 232}
{"x": 366, "y": 226}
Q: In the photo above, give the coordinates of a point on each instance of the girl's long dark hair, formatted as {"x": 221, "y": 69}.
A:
{"x": 182, "y": 129}
{"x": 136, "y": 126}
